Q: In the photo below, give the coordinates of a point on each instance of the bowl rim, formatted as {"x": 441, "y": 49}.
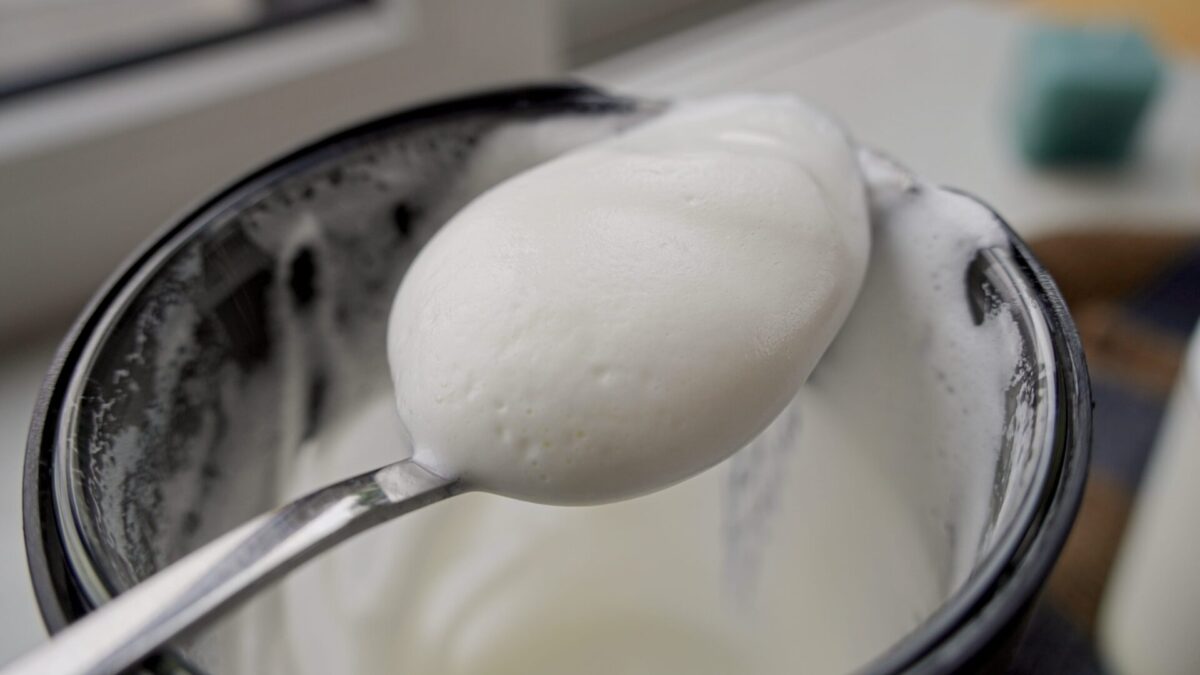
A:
{"x": 947, "y": 640}
{"x": 952, "y": 647}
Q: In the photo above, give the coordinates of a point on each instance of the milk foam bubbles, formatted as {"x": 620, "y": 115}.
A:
{"x": 834, "y": 534}
{"x": 626, "y": 315}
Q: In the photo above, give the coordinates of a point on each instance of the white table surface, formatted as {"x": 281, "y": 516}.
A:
{"x": 920, "y": 79}
{"x": 924, "y": 81}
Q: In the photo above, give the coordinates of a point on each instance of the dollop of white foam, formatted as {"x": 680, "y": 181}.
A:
{"x": 629, "y": 314}
{"x": 843, "y": 526}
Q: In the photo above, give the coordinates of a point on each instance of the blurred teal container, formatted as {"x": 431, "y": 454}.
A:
{"x": 1082, "y": 91}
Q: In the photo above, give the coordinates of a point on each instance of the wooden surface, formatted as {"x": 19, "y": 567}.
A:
{"x": 1175, "y": 24}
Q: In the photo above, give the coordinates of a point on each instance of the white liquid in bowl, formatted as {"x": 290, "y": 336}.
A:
{"x": 835, "y": 533}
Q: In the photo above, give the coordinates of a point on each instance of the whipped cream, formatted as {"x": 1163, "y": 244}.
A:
{"x": 624, "y": 316}
{"x": 833, "y": 534}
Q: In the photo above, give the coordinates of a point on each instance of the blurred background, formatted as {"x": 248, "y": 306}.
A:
{"x": 1079, "y": 120}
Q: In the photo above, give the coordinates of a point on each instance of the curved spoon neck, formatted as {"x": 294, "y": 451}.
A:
{"x": 219, "y": 575}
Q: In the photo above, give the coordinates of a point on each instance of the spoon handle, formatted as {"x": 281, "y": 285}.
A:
{"x": 216, "y": 577}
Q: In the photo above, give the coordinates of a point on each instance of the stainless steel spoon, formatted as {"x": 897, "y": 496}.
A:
{"x": 218, "y": 576}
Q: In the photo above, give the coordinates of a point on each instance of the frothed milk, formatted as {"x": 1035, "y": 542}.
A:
{"x": 836, "y": 531}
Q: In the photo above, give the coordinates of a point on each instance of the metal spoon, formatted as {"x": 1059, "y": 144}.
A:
{"x": 217, "y": 577}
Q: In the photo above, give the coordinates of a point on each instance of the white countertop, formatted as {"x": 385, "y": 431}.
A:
{"x": 919, "y": 79}
{"x": 924, "y": 81}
